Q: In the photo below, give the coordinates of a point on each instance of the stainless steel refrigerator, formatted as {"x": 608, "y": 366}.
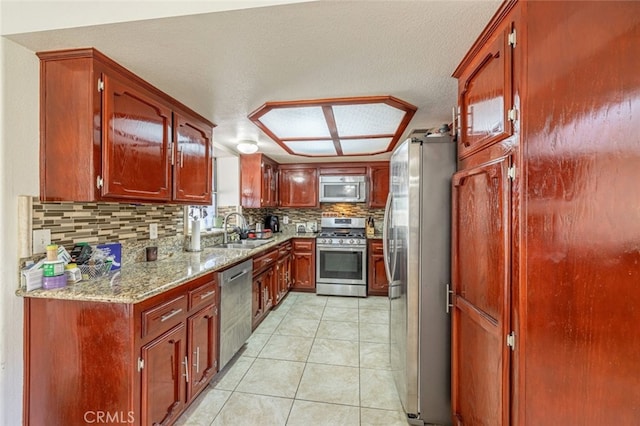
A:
{"x": 417, "y": 260}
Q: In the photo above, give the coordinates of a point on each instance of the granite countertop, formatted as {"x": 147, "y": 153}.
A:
{"x": 139, "y": 281}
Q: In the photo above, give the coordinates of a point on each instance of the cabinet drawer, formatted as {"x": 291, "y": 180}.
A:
{"x": 164, "y": 315}
{"x": 203, "y": 295}
{"x": 303, "y": 245}
{"x": 264, "y": 260}
{"x": 284, "y": 250}
{"x": 375, "y": 247}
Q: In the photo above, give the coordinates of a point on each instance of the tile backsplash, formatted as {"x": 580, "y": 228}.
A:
{"x": 314, "y": 215}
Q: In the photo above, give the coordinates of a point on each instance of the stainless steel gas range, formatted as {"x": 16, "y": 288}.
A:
{"x": 341, "y": 247}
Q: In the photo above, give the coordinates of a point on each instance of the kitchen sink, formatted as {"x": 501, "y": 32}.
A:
{"x": 244, "y": 244}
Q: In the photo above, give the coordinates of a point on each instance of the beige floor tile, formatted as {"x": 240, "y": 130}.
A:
{"x": 335, "y": 352}
{"x": 204, "y": 409}
{"x": 255, "y": 343}
{"x": 377, "y": 390}
{"x": 338, "y": 330}
{"x": 234, "y": 374}
{"x": 305, "y": 311}
{"x": 340, "y": 314}
{"x": 374, "y": 302}
{"x": 374, "y": 417}
{"x": 306, "y": 413}
{"x": 330, "y": 383}
{"x": 290, "y": 348}
{"x": 249, "y": 409}
{"x": 372, "y": 316}
{"x": 378, "y": 333}
{"x": 298, "y": 327}
{"x": 342, "y": 302}
{"x": 272, "y": 377}
{"x": 311, "y": 299}
{"x": 374, "y": 355}
{"x": 269, "y": 324}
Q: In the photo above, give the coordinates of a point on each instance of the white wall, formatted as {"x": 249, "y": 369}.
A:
{"x": 19, "y": 87}
{"x": 228, "y": 180}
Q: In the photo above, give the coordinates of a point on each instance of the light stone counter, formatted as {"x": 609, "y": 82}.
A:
{"x": 139, "y": 281}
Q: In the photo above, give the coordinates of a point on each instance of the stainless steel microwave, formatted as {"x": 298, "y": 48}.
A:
{"x": 343, "y": 189}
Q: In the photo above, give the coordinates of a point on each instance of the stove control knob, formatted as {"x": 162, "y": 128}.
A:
{"x": 351, "y": 241}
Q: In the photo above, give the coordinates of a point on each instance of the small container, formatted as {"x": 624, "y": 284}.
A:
{"x": 152, "y": 253}
{"x": 73, "y": 273}
{"x": 59, "y": 281}
{"x": 52, "y": 252}
{"x": 53, "y": 268}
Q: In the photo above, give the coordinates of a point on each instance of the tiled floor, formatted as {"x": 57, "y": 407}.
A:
{"x": 315, "y": 360}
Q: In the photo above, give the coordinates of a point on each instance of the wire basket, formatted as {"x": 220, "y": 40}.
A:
{"x": 95, "y": 269}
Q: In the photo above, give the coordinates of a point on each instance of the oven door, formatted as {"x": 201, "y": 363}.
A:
{"x": 341, "y": 265}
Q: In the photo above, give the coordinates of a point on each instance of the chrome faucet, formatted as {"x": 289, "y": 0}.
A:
{"x": 224, "y": 225}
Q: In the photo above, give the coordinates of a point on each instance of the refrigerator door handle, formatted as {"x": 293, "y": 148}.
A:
{"x": 385, "y": 238}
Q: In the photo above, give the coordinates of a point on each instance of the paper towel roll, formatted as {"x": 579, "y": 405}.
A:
{"x": 195, "y": 235}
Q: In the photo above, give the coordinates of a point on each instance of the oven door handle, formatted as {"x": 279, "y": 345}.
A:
{"x": 386, "y": 229}
{"x": 342, "y": 248}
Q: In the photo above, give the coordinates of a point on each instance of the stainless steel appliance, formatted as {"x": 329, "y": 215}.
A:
{"x": 235, "y": 309}
{"x": 341, "y": 257}
{"x": 416, "y": 242}
{"x": 343, "y": 189}
{"x": 272, "y": 222}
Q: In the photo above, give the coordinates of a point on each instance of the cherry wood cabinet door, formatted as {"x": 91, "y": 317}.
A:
{"x": 202, "y": 328}
{"x": 192, "y": 170}
{"x": 485, "y": 88}
{"x": 269, "y": 184}
{"x": 481, "y": 300}
{"x": 304, "y": 265}
{"x": 163, "y": 377}
{"x": 378, "y": 285}
{"x": 281, "y": 269}
{"x": 136, "y": 132}
{"x": 256, "y": 300}
{"x": 378, "y": 185}
{"x": 299, "y": 187}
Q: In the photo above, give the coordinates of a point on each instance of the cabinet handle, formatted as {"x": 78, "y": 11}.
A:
{"x": 173, "y": 313}
{"x": 181, "y": 154}
{"x": 186, "y": 369}
{"x": 449, "y": 299}
{"x": 197, "y": 364}
{"x": 204, "y": 296}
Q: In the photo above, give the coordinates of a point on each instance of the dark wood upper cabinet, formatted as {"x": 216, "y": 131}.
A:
{"x": 485, "y": 98}
{"x": 298, "y": 186}
{"x": 193, "y": 161}
{"x": 378, "y": 185}
{"x": 258, "y": 181}
{"x": 136, "y": 143}
{"x": 107, "y": 135}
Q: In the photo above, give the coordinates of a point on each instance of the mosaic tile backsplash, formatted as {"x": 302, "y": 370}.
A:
{"x": 309, "y": 215}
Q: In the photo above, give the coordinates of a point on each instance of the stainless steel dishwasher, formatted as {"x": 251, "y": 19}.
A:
{"x": 235, "y": 309}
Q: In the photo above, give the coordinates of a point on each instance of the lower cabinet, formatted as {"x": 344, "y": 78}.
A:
{"x": 304, "y": 264}
{"x": 264, "y": 285}
{"x": 164, "y": 376}
{"x": 283, "y": 271}
{"x": 138, "y": 364}
{"x": 377, "y": 277}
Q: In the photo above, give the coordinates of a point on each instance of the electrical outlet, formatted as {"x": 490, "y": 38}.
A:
{"x": 153, "y": 231}
{"x": 285, "y": 220}
{"x": 41, "y": 239}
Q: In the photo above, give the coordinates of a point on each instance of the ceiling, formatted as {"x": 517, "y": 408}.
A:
{"x": 227, "y": 64}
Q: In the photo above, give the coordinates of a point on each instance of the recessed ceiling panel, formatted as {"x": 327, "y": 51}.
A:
{"x": 367, "y": 119}
{"x": 319, "y": 148}
{"x": 335, "y": 127}
{"x": 364, "y": 146}
{"x": 287, "y": 123}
